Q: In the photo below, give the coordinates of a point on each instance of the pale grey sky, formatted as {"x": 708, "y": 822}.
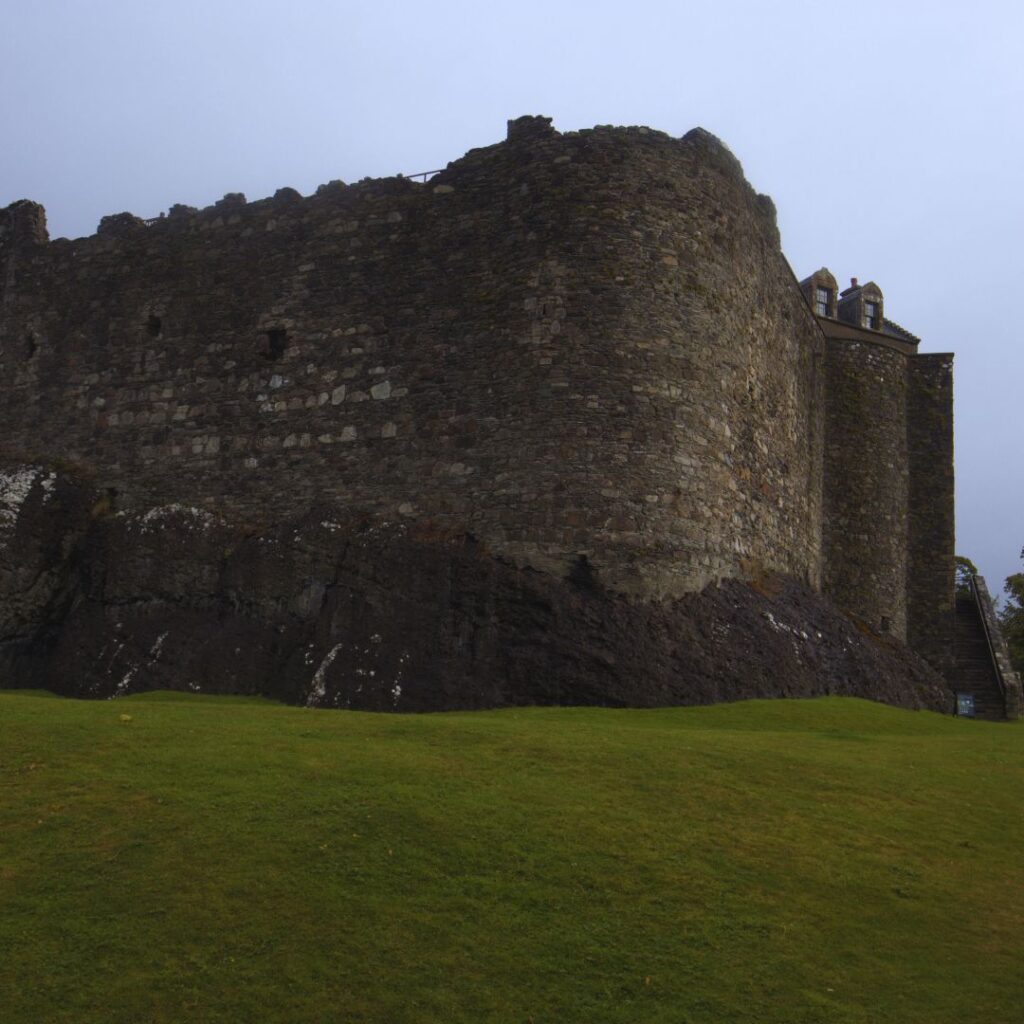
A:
{"x": 888, "y": 133}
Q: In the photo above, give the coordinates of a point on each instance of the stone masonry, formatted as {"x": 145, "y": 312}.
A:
{"x": 578, "y": 348}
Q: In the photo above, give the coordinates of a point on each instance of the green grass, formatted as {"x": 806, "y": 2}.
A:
{"x": 221, "y": 859}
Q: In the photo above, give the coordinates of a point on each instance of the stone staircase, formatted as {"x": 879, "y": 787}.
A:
{"x": 982, "y": 665}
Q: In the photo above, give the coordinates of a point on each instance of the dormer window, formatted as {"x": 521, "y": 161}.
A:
{"x": 819, "y": 291}
{"x": 871, "y": 318}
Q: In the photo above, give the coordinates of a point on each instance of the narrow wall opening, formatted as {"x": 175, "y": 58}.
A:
{"x": 277, "y": 342}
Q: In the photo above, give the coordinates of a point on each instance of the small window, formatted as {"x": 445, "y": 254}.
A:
{"x": 277, "y": 342}
{"x": 871, "y": 315}
{"x": 153, "y": 326}
{"x": 822, "y": 301}
{"x": 31, "y": 345}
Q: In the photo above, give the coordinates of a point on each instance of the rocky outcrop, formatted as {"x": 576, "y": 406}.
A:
{"x": 329, "y": 612}
{"x": 44, "y": 515}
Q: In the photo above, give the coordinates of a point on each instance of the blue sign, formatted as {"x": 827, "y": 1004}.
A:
{"x": 965, "y": 705}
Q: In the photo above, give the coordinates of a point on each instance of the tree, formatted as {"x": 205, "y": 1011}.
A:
{"x": 1011, "y": 618}
{"x": 965, "y": 569}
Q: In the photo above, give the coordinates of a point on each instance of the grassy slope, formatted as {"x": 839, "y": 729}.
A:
{"x": 234, "y": 860}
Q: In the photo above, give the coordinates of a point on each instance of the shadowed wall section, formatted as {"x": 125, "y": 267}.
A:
{"x": 930, "y": 569}
{"x": 866, "y": 483}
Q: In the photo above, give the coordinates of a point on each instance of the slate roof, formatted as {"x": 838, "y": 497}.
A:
{"x": 892, "y": 328}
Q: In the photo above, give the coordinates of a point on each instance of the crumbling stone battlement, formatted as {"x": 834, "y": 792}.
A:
{"x": 27, "y": 220}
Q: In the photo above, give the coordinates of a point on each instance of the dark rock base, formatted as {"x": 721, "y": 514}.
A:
{"x": 329, "y": 613}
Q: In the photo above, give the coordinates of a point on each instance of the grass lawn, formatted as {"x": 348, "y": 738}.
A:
{"x": 223, "y": 859}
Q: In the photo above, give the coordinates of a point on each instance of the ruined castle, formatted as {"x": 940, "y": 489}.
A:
{"x": 583, "y": 350}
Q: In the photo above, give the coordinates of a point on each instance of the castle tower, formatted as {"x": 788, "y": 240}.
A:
{"x": 583, "y": 355}
{"x": 889, "y": 525}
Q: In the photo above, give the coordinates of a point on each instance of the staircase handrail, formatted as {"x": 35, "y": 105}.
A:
{"x": 1009, "y": 681}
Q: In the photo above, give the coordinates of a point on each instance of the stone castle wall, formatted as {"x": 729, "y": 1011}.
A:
{"x": 867, "y": 466}
{"x": 889, "y": 508}
{"x": 578, "y": 344}
{"x": 930, "y": 565}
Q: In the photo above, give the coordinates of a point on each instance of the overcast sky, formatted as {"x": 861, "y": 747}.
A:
{"x": 889, "y": 135}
